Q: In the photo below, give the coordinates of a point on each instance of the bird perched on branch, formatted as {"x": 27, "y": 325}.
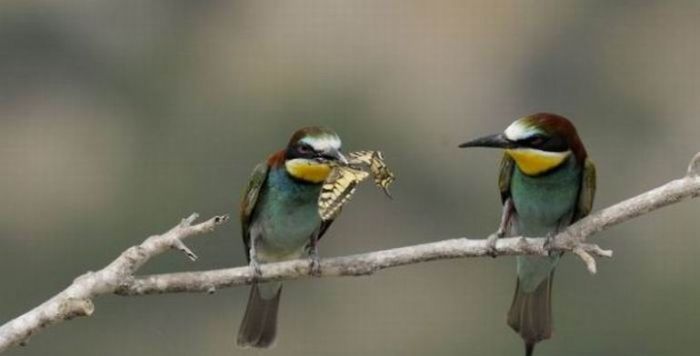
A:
{"x": 280, "y": 220}
{"x": 547, "y": 182}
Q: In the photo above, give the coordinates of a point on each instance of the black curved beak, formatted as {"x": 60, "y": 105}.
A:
{"x": 335, "y": 156}
{"x": 494, "y": 141}
{"x": 340, "y": 157}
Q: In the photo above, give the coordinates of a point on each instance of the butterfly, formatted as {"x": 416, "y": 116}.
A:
{"x": 341, "y": 184}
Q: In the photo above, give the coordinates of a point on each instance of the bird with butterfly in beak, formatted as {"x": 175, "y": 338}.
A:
{"x": 547, "y": 182}
{"x": 280, "y": 221}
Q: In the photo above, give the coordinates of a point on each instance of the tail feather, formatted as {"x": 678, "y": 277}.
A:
{"x": 530, "y": 314}
{"x": 259, "y": 326}
{"x": 529, "y": 348}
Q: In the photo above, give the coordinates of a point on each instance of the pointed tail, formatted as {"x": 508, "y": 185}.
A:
{"x": 529, "y": 348}
{"x": 530, "y": 314}
{"x": 259, "y": 326}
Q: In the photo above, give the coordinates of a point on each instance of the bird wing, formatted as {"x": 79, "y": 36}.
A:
{"x": 504, "y": 176}
{"x": 584, "y": 204}
{"x": 249, "y": 201}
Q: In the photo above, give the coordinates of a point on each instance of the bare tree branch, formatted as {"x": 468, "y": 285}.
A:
{"x": 354, "y": 265}
{"x": 118, "y": 277}
{"x": 76, "y": 300}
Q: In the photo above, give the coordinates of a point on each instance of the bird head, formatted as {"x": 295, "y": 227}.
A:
{"x": 537, "y": 143}
{"x": 311, "y": 154}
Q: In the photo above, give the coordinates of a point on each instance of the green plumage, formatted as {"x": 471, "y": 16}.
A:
{"x": 255, "y": 186}
{"x": 543, "y": 205}
{"x": 286, "y": 217}
{"x": 547, "y": 182}
{"x": 280, "y": 221}
{"x": 280, "y": 215}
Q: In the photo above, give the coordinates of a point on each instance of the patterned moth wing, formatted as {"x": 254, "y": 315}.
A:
{"x": 360, "y": 157}
{"x": 380, "y": 172}
{"x": 338, "y": 190}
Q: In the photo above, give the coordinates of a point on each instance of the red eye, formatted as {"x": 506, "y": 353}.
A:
{"x": 305, "y": 149}
{"x": 536, "y": 141}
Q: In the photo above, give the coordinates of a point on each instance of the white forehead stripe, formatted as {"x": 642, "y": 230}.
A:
{"x": 323, "y": 143}
{"x": 517, "y": 131}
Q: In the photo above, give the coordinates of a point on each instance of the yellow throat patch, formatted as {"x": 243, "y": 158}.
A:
{"x": 308, "y": 170}
{"x": 533, "y": 162}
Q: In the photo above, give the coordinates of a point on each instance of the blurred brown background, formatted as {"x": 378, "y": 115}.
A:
{"x": 118, "y": 118}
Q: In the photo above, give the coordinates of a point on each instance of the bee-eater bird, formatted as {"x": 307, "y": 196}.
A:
{"x": 547, "y": 182}
{"x": 280, "y": 220}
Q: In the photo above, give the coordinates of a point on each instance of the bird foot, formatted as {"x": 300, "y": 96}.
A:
{"x": 491, "y": 244}
{"x": 257, "y": 272}
{"x": 549, "y": 244}
{"x": 315, "y": 266}
{"x": 314, "y": 258}
{"x": 523, "y": 243}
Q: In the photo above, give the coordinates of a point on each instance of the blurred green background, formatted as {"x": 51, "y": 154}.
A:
{"x": 118, "y": 118}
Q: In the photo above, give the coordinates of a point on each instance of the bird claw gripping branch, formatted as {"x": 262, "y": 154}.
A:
{"x": 341, "y": 184}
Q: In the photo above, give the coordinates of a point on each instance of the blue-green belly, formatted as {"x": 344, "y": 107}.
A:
{"x": 286, "y": 217}
{"x": 543, "y": 204}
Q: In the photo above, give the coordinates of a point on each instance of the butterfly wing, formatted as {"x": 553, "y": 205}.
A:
{"x": 338, "y": 190}
{"x": 379, "y": 170}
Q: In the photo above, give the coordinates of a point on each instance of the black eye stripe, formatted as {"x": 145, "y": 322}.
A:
{"x": 300, "y": 150}
{"x": 533, "y": 140}
{"x": 545, "y": 143}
